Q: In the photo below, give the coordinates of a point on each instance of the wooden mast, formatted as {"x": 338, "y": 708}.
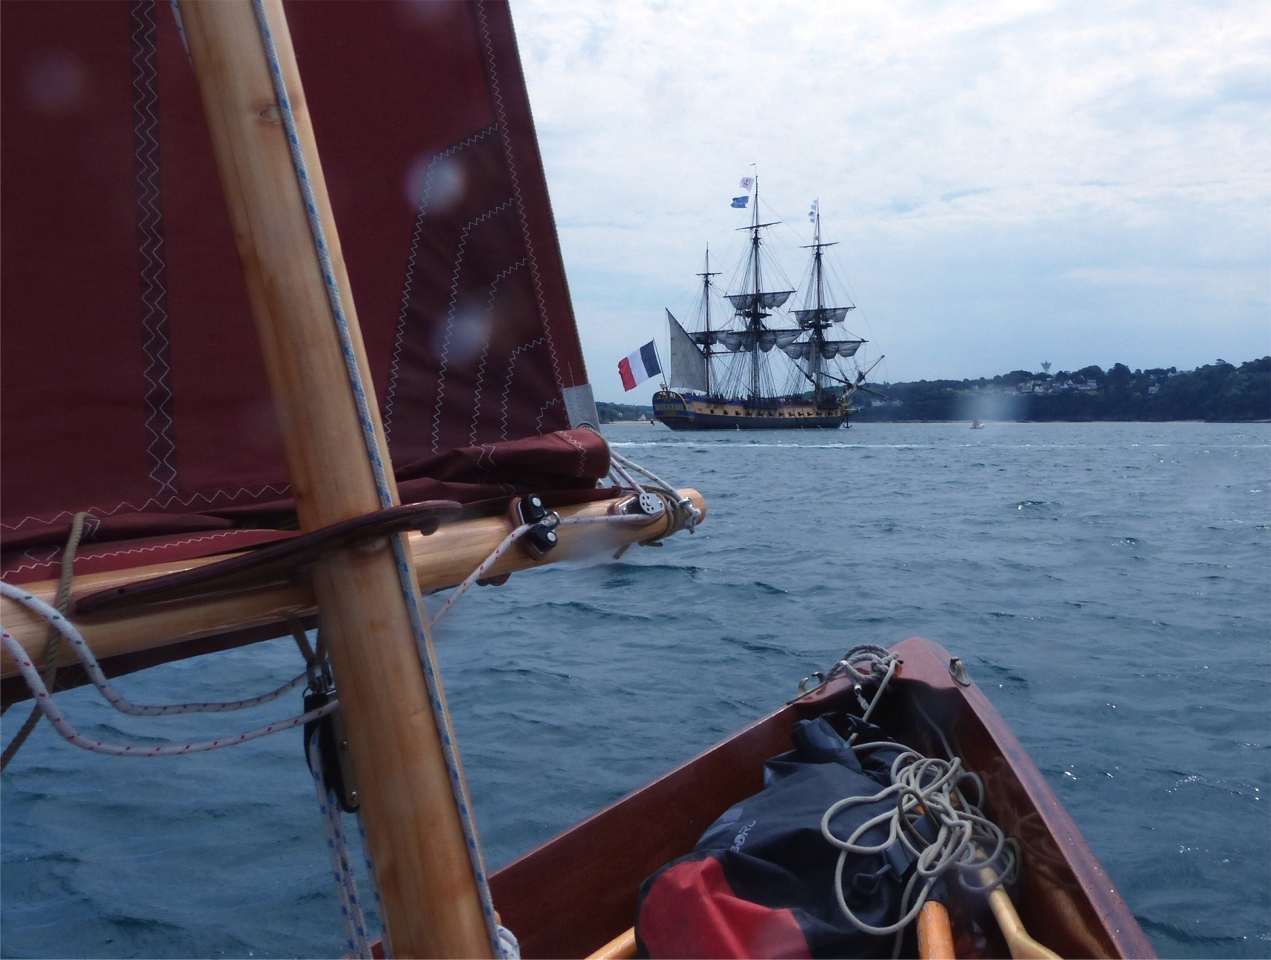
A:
{"x": 426, "y": 880}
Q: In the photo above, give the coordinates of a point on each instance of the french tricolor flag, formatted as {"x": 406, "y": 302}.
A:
{"x": 638, "y": 367}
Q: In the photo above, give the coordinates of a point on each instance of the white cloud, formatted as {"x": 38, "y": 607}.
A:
{"x": 1084, "y": 183}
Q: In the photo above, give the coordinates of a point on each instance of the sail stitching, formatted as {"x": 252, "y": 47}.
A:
{"x": 542, "y": 412}
{"x": 154, "y": 315}
{"x": 582, "y": 451}
{"x": 516, "y": 190}
{"x": 485, "y": 349}
{"x": 450, "y": 318}
{"x": 54, "y": 560}
{"x": 424, "y": 197}
{"x": 157, "y": 503}
{"x": 507, "y": 386}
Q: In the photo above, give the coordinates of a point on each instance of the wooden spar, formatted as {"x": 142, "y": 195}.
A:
{"x": 441, "y": 560}
{"x": 415, "y": 835}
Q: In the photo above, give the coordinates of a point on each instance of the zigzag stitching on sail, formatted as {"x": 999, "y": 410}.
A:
{"x": 154, "y": 320}
{"x": 507, "y": 386}
{"x": 516, "y": 190}
{"x": 424, "y": 196}
{"x": 582, "y": 451}
{"x": 542, "y": 412}
{"x": 450, "y": 318}
{"x": 122, "y": 553}
{"x": 485, "y": 350}
{"x": 155, "y": 502}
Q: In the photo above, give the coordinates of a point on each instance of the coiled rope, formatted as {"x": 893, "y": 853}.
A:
{"x": 924, "y": 788}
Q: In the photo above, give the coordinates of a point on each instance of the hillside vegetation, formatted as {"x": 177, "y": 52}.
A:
{"x": 1218, "y": 391}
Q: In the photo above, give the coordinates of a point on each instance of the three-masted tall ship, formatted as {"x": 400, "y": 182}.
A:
{"x": 728, "y": 376}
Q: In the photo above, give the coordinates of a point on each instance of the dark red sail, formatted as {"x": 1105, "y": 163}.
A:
{"x": 132, "y": 385}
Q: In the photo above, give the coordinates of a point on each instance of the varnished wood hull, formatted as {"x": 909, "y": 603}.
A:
{"x": 578, "y": 891}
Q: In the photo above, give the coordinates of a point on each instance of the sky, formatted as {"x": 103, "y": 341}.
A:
{"x": 1009, "y": 183}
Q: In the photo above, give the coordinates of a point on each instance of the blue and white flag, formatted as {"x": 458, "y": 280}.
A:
{"x": 741, "y": 202}
{"x": 812, "y": 212}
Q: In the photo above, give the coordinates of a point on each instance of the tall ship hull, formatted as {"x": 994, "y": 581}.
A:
{"x": 689, "y": 411}
{"x": 761, "y": 366}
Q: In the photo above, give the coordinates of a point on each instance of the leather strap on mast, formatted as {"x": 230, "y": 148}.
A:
{"x": 411, "y": 798}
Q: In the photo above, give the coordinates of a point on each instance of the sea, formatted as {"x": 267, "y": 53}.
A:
{"x": 1107, "y": 584}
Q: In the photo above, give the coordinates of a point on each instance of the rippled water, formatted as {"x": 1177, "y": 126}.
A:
{"x": 1109, "y": 585}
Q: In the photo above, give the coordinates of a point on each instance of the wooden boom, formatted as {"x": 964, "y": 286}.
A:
{"x": 441, "y": 560}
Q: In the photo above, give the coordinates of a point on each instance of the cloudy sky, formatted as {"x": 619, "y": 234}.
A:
{"x": 1010, "y": 182}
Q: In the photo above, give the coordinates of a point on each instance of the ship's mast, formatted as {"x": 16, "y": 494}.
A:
{"x": 755, "y": 316}
{"x": 820, "y": 320}
{"x": 706, "y": 297}
{"x": 818, "y": 334}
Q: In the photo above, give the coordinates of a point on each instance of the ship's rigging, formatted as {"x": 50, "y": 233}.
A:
{"x": 731, "y": 360}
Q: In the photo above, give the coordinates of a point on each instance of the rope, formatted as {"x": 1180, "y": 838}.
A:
{"x": 53, "y": 640}
{"x": 405, "y": 573}
{"x": 925, "y": 788}
{"x": 112, "y": 696}
{"x": 930, "y": 788}
{"x": 484, "y": 567}
{"x": 686, "y": 515}
{"x": 71, "y": 735}
{"x": 338, "y": 848}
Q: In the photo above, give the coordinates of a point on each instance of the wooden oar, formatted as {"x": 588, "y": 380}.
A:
{"x": 935, "y": 933}
{"x": 1022, "y": 946}
{"x": 621, "y": 947}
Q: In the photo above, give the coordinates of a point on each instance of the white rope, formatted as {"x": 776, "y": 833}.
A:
{"x": 687, "y": 514}
{"x": 484, "y": 567}
{"x": 98, "y": 678}
{"x": 924, "y": 787}
{"x": 45, "y": 702}
{"x": 338, "y": 848}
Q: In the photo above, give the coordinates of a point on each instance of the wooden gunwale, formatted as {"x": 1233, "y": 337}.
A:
{"x": 577, "y": 891}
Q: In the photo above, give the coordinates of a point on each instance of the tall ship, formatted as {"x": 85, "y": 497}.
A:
{"x": 762, "y": 366}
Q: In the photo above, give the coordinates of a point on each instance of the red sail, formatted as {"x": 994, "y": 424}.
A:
{"x": 131, "y": 382}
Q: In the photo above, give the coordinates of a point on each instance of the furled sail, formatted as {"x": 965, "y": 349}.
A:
{"x": 131, "y": 384}
{"x": 822, "y": 315}
{"x": 747, "y": 302}
{"x": 688, "y": 363}
{"x": 745, "y": 341}
{"x": 829, "y": 349}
